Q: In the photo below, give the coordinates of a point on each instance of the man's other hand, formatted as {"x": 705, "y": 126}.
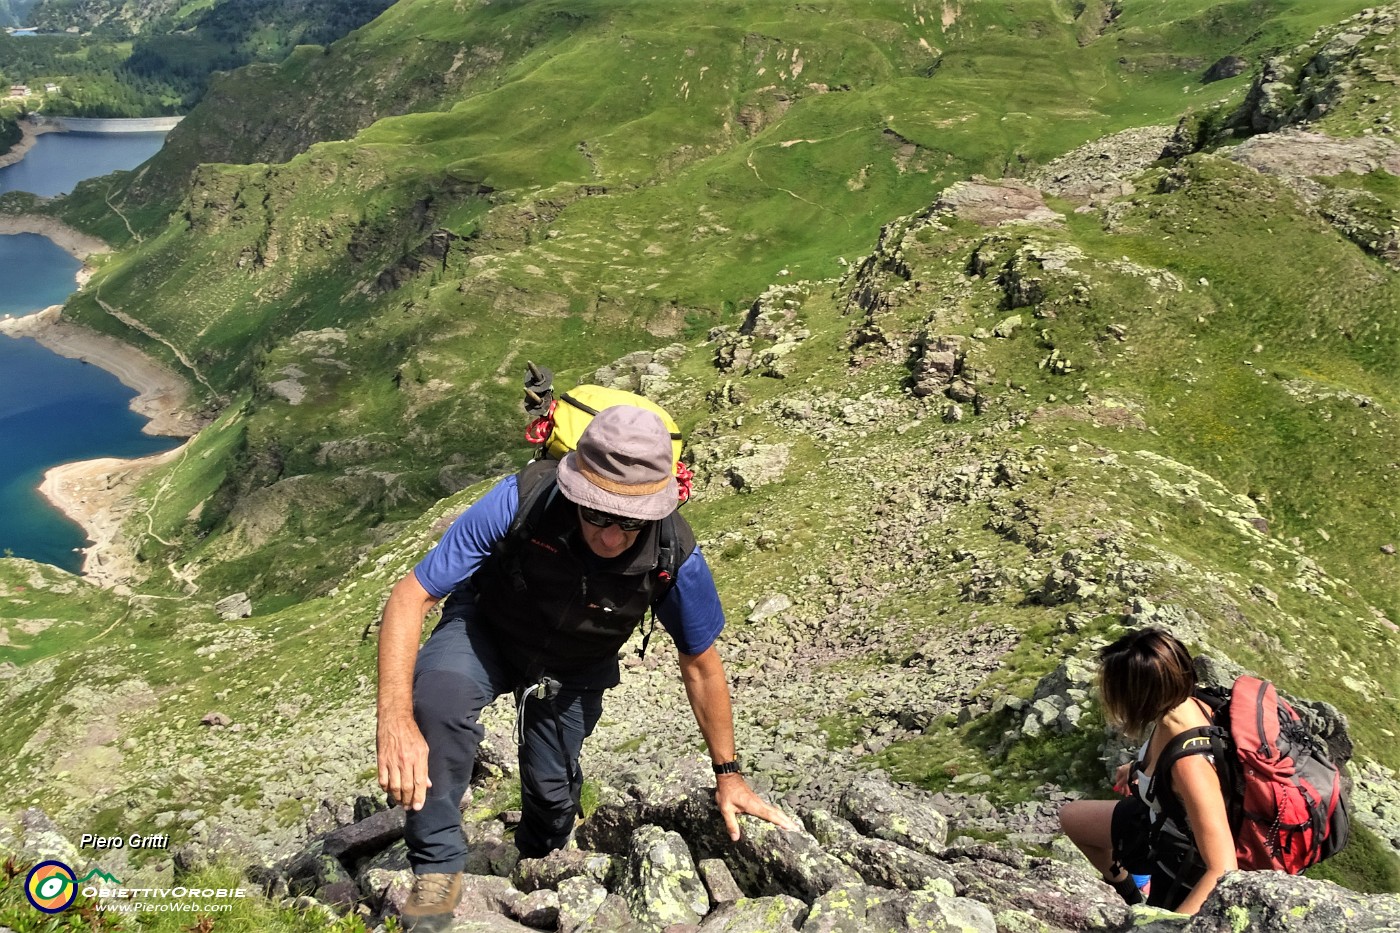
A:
{"x": 403, "y": 763}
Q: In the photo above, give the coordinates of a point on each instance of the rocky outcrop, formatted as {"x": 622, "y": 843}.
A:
{"x": 1104, "y": 168}
{"x": 657, "y": 857}
{"x": 992, "y": 203}
{"x": 1265, "y": 901}
{"x": 770, "y": 332}
{"x": 1300, "y": 159}
{"x": 1293, "y": 153}
{"x": 1308, "y": 84}
{"x": 1231, "y": 66}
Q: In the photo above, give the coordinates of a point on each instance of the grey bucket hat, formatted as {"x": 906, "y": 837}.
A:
{"x": 623, "y": 465}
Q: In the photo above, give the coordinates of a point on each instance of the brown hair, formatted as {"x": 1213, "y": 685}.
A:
{"x": 1143, "y": 676}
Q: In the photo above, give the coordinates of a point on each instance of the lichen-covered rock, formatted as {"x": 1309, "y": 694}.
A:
{"x": 538, "y": 909}
{"x": 488, "y": 851}
{"x": 661, "y": 884}
{"x": 485, "y": 894}
{"x": 1065, "y": 899}
{"x": 902, "y": 816}
{"x": 334, "y": 886}
{"x": 1375, "y": 799}
{"x": 719, "y": 881}
{"x": 765, "y": 861}
{"x": 40, "y": 839}
{"x": 879, "y": 861}
{"x": 381, "y": 886}
{"x": 868, "y": 909}
{"x": 769, "y": 860}
{"x": 758, "y": 465}
{"x": 756, "y": 915}
{"x": 1266, "y": 901}
{"x": 554, "y": 869}
{"x": 612, "y": 916}
{"x": 579, "y": 899}
{"x": 217, "y": 844}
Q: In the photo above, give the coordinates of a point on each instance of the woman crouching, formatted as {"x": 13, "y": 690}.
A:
{"x": 1146, "y": 681}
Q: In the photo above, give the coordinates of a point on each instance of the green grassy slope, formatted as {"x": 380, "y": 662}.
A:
{"x": 634, "y": 171}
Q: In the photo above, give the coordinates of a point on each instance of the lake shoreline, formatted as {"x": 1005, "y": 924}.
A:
{"x": 163, "y": 397}
{"x": 28, "y": 134}
{"x": 81, "y": 246}
{"x": 100, "y": 494}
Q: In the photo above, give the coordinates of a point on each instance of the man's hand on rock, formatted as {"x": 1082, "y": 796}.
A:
{"x": 734, "y": 796}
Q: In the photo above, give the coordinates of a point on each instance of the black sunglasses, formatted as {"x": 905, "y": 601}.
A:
{"x": 604, "y": 519}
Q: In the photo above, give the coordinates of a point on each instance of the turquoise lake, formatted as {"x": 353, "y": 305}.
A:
{"x": 55, "y": 410}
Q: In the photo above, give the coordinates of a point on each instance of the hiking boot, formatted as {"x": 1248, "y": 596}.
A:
{"x": 431, "y": 903}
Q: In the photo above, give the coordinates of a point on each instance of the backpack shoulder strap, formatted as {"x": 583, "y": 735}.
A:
{"x": 537, "y": 489}
{"x": 1200, "y": 740}
{"x": 675, "y": 544}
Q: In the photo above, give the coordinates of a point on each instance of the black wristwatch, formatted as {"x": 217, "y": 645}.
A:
{"x": 729, "y": 767}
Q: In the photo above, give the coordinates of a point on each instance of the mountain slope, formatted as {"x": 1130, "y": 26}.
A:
{"x": 947, "y": 431}
{"x": 642, "y": 171}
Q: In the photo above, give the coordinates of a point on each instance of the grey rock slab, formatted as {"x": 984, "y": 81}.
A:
{"x": 368, "y": 836}
{"x": 1067, "y": 900}
{"x": 879, "y": 861}
{"x": 756, "y": 915}
{"x": 769, "y": 606}
{"x": 236, "y": 606}
{"x": 869, "y": 909}
{"x": 900, "y": 816}
{"x": 661, "y": 884}
{"x": 579, "y": 899}
{"x": 1264, "y": 901}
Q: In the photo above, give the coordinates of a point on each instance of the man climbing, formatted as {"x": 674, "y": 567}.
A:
{"x": 545, "y": 578}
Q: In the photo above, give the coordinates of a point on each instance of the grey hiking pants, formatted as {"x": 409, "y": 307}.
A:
{"x": 459, "y": 670}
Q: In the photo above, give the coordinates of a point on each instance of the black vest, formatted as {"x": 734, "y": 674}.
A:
{"x": 557, "y": 608}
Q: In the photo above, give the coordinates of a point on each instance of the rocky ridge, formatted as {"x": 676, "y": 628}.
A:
{"x": 655, "y": 857}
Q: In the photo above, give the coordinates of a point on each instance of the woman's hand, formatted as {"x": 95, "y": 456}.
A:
{"x": 1120, "y": 778}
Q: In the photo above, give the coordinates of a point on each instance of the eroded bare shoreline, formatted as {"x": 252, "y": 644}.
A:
{"x": 75, "y": 243}
{"x": 98, "y": 494}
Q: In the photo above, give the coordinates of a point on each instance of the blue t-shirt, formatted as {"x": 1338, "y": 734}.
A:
{"x": 690, "y": 612}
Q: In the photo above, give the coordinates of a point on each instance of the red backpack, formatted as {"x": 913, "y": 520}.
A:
{"x": 1282, "y": 792}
